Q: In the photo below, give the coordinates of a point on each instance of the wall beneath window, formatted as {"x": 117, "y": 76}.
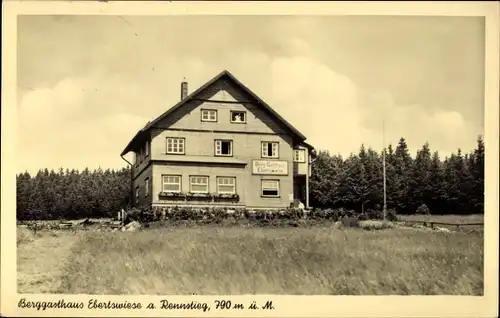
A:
{"x": 140, "y": 181}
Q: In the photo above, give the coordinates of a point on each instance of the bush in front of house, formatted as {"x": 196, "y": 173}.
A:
{"x": 423, "y": 210}
{"x": 288, "y": 217}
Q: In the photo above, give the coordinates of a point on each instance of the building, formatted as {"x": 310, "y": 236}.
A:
{"x": 220, "y": 146}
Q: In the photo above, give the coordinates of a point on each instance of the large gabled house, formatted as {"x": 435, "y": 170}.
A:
{"x": 221, "y": 145}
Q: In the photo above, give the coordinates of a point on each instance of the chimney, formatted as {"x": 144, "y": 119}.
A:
{"x": 184, "y": 89}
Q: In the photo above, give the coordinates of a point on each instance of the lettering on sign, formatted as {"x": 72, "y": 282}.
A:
{"x": 270, "y": 167}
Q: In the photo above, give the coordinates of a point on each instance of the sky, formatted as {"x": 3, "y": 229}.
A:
{"x": 86, "y": 84}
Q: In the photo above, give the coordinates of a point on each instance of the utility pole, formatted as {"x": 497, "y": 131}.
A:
{"x": 383, "y": 168}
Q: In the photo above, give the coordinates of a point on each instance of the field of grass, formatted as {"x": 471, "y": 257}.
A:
{"x": 211, "y": 260}
{"x": 473, "y": 218}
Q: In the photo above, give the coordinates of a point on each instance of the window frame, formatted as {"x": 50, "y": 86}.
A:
{"x": 146, "y": 187}
{"x": 199, "y": 176}
{"x": 267, "y": 195}
{"x": 303, "y": 151}
{"x": 146, "y": 149}
{"x": 183, "y": 146}
{"x": 237, "y": 111}
{"x": 171, "y": 175}
{"x": 221, "y": 141}
{"x": 270, "y": 142}
{"x": 209, "y": 110}
{"x": 226, "y": 177}
{"x": 137, "y": 193}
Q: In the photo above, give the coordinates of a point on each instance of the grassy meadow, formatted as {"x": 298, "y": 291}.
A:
{"x": 231, "y": 260}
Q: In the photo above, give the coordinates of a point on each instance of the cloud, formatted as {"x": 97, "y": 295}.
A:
{"x": 57, "y": 129}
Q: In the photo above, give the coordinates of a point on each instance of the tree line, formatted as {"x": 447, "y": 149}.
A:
{"x": 454, "y": 185}
{"x": 72, "y": 194}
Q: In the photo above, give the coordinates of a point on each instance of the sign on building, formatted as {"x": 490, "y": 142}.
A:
{"x": 270, "y": 167}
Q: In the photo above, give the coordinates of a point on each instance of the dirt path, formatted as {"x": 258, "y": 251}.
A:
{"x": 40, "y": 263}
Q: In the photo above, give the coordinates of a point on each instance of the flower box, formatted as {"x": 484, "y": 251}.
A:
{"x": 174, "y": 195}
{"x": 202, "y": 196}
{"x": 227, "y": 196}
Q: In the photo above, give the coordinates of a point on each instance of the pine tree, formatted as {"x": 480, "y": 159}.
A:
{"x": 402, "y": 167}
{"x": 420, "y": 187}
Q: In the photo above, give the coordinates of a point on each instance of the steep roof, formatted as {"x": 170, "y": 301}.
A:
{"x": 192, "y": 96}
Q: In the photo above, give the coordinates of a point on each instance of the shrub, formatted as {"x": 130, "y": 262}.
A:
{"x": 423, "y": 210}
{"x": 391, "y": 215}
{"x": 375, "y": 225}
{"x": 350, "y": 221}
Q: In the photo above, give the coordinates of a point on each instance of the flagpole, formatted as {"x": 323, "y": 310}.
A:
{"x": 383, "y": 167}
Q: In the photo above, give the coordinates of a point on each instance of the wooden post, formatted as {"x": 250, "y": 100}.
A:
{"x": 307, "y": 178}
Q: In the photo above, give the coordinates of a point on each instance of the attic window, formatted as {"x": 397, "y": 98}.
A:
{"x": 209, "y": 115}
{"x": 238, "y": 117}
{"x": 224, "y": 148}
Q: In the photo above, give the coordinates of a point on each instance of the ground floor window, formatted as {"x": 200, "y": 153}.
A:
{"x": 137, "y": 193}
{"x": 270, "y": 188}
{"x": 146, "y": 187}
{"x": 226, "y": 185}
{"x": 171, "y": 183}
{"x": 198, "y": 184}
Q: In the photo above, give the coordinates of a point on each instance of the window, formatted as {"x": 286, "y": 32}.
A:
{"x": 171, "y": 183}
{"x": 208, "y": 115}
{"x": 136, "y": 193}
{"x": 223, "y": 147}
{"x": 238, "y": 117}
{"x": 137, "y": 159}
{"x": 270, "y": 150}
{"x": 142, "y": 154}
{"x": 146, "y": 149}
{"x": 199, "y": 184}
{"x": 299, "y": 155}
{"x": 270, "y": 188}
{"x": 226, "y": 185}
{"x": 146, "y": 187}
{"x": 175, "y": 145}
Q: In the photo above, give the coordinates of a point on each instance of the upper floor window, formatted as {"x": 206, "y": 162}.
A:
{"x": 270, "y": 149}
{"x": 223, "y": 147}
{"x": 208, "y": 115}
{"x": 199, "y": 184}
{"x": 238, "y": 117}
{"x": 226, "y": 185}
{"x": 175, "y": 145}
{"x": 171, "y": 183}
{"x": 146, "y": 149}
{"x": 146, "y": 187}
{"x": 299, "y": 155}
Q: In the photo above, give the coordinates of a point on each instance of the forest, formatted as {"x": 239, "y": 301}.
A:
{"x": 452, "y": 185}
